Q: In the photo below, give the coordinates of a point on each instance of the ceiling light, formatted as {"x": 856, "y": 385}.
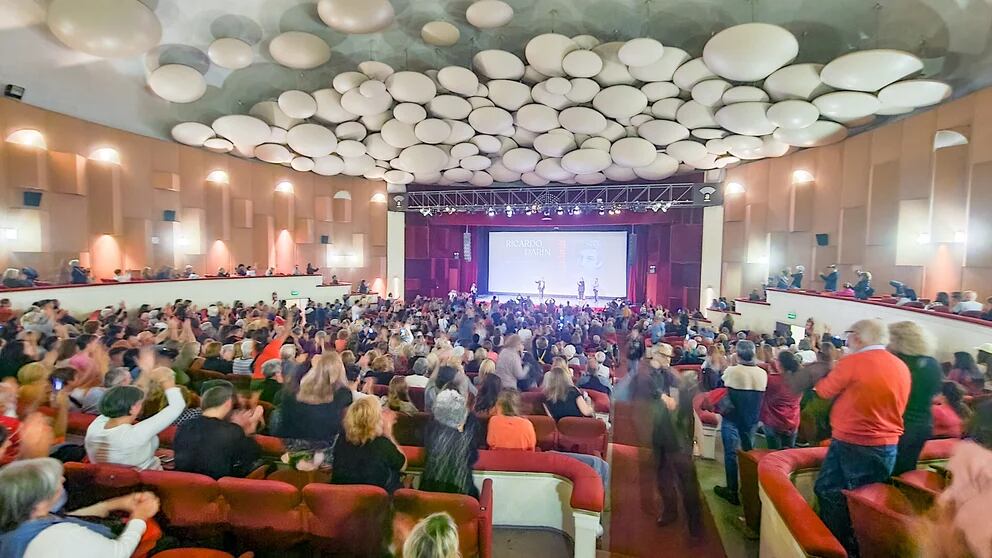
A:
{"x": 923, "y": 238}
{"x": 219, "y": 177}
{"x": 734, "y": 188}
{"x": 106, "y": 155}
{"x": 577, "y": 211}
{"x": 378, "y": 197}
{"x": 802, "y": 177}
{"x": 28, "y": 137}
{"x": 960, "y": 237}
{"x": 560, "y": 211}
{"x": 285, "y": 187}
{"x": 491, "y": 212}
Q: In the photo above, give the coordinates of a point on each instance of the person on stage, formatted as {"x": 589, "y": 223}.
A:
{"x": 540, "y": 287}
{"x": 474, "y": 290}
{"x": 582, "y": 288}
{"x": 595, "y": 290}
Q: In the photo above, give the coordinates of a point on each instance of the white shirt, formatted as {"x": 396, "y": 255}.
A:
{"x": 69, "y": 539}
{"x": 968, "y": 306}
{"x": 356, "y": 312}
{"x": 807, "y": 356}
{"x": 133, "y": 444}
{"x": 745, "y": 377}
{"x": 416, "y": 380}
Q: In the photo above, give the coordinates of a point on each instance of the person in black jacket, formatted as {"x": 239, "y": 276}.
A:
{"x": 217, "y": 443}
{"x": 213, "y": 360}
{"x": 863, "y": 289}
{"x": 797, "y": 277}
{"x": 635, "y": 350}
{"x": 830, "y": 278}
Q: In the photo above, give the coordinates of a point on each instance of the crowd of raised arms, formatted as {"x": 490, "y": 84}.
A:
{"x": 332, "y": 379}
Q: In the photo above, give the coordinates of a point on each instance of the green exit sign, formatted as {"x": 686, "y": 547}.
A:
{"x": 791, "y": 315}
{"x": 294, "y": 293}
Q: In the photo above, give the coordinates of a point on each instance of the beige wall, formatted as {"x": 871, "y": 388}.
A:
{"x": 873, "y": 194}
{"x": 108, "y": 215}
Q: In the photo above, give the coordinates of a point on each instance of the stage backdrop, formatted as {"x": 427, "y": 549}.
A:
{"x": 663, "y": 253}
{"x": 518, "y": 259}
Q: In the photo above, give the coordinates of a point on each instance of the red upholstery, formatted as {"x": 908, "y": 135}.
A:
{"x": 600, "y": 401}
{"x": 582, "y": 435}
{"x": 149, "y": 539}
{"x": 189, "y": 502}
{"x": 198, "y": 553}
{"x": 297, "y": 478}
{"x": 546, "y": 430}
{"x": 417, "y": 398}
{"x": 941, "y": 309}
{"x": 748, "y": 472}
{"x": 346, "y": 520}
{"x": 263, "y": 512}
{"x": 972, "y": 314}
{"x": 708, "y": 418}
{"x": 532, "y": 403}
{"x": 410, "y": 430}
{"x": 380, "y": 390}
{"x": 921, "y": 486}
{"x": 473, "y": 517}
{"x": 883, "y": 521}
{"x": 88, "y": 484}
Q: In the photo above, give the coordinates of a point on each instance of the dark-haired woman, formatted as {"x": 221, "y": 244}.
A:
{"x": 116, "y": 437}
{"x": 967, "y": 373}
{"x": 780, "y": 406}
{"x": 485, "y": 401}
{"x": 950, "y": 412}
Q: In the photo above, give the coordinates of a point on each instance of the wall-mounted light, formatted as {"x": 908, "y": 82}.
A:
{"x": 960, "y": 237}
{"x": 285, "y": 187}
{"x": 156, "y": 240}
{"x": 106, "y": 155}
{"x": 802, "y": 177}
{"x": 28, "y": 137}
{"x": 734, "y": 188}
{"x": 379, "y": 197}
{"x": 10, "y": 234}
{"x": 219, "y": 177}
{"x": 923, "y": 238}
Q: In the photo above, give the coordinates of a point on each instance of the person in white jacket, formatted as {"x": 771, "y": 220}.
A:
{"x": 32, "y": 526}
{"x": 116, "y": 436}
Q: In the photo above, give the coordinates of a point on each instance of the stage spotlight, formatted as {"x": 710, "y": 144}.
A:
{"x": 577, "y": 211}
{"x": 509, "y": 211}
{"x": 666, "y": 207}
{"x": 602, "y": 212}
{"x": 546, "y": 216}
{"x": 491, "y": 212}
{"x": 560, "y": 211}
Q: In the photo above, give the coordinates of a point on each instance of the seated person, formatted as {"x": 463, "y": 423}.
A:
{"x": 34, "y": 526}
{"x": 561, "y": 398}
{"x": 115, "y": 436}
{"x": 418, "y": 378}
{"x": 507, "y": 429}
{"x": 435, "y": 536}
{"x": 367, "y": 453}
{"x": 213, "y": 444}
{"x": 382, "y": 370}
{"x": 398, "y": 399}
{"x": 270, "y": 387}
{"x": 213, "y": 359}
{"x": 592, "y": 376}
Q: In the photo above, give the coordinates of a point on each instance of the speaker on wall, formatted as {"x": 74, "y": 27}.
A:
{"x": 32, "y": 198}
{"x": 169, "y": 215}
{"x": 822, "y": 239}
{"x": 325, "y": 239}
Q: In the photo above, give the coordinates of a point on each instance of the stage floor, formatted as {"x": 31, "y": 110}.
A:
{"x": 561, "y": 300}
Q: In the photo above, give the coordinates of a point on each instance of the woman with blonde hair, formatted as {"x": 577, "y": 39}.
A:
{"x": 315, "y": 411}
{"x": 486, "y": 368}
{"x": 367, "y": 452}
{"x": 435, "y": 536}
{"x": 398, "y": 399}
{"x": 561, "y": 397}
{"x": 915, "y": 347}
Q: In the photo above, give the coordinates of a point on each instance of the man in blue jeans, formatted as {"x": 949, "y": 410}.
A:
{"x": 870, "y": 389}
{"x": 745, "y": 382}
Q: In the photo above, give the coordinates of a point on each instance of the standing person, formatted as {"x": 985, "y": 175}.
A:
{"x": 780, "y": 407}
{"x": 665, "y": 424}
{"x": 797, "y": 277}
{"x": 863, "y": 289}
{"x": 509, "y": 365}
{"x": 540, "y": 287}
{"x": 746, "y": 384}
{"x": 473, "y": 290}
{"x": 368, "y": 453}
{"x": 582, "y": 288}
{"x": 214, "y": 445}
{"x": 914, "y": 347}
{"x": 451, "y": 447}
{"x": 595, "y": 290}
{"x": 830, "y": 278}
{"x": 635, "y": 350}
{"x": 870, "y": 389}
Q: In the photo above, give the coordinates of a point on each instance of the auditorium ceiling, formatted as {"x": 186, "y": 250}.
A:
{"x": 496, "y": 92}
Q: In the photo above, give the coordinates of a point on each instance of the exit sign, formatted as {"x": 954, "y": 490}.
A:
{"x": 296, "y": 293}
{"x": 791, "y": 315}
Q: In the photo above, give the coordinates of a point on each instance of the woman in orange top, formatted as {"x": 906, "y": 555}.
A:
{"x": 507, "y": 429}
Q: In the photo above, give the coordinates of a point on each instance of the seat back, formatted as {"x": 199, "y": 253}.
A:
{"x": 417, "y": 398}
{"x": 883, "y": 522}
{"x": 88, "y": 483}
{"x": 600, "y": 401}
{"x": 410, "y": 430}
{"x": 546, "y": 431}
{"x": 189, "y": 502}
{"x": 298, "y": 478}
{"x": 582, "y": 435}
{"x": 347, "y": 520}
{"x": 532, "y": 403}
{"x": 410, "y": 506}
{"x": 264, "y": 513}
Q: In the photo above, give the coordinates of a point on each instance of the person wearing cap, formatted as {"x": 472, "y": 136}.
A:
{"x": 830, "y": 278}
{"x": 797, "y": 277}
{"x": 870, "y": 390}
{"x": 746, "y": 384}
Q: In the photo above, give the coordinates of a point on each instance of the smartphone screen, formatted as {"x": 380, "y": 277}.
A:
{"x": 57, "y": 384}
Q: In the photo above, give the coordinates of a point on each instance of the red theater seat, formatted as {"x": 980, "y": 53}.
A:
{"x": 883, "y": 521}
{"x": 86, "y": 483}
{"x": 532, "y": 403}
{"x": 473, "y": 517}
{"x": 600, "y": 401}
{"x": 708, "y": 418}
{"x": 748, "y": 471}
{"x": 922, "y": 486}
{"x": 346, "y": 520}
{"x": 582, "y": 435}
{"x": 189, "y": 502}
{"x": 546, "y": 430}
{"x": 417, "y": 398}
{"x": 264, "y": 513}
{"x": 410, "y": 430}
{"x": 297, "y": 478}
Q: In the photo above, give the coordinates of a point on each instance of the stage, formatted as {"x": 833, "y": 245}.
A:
{"x": 559, "y": 300}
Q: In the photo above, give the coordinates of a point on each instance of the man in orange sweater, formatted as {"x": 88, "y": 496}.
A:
{"x": 870, "y": 389}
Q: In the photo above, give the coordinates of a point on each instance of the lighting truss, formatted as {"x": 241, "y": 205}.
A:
{"x": 555, "y": 199}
